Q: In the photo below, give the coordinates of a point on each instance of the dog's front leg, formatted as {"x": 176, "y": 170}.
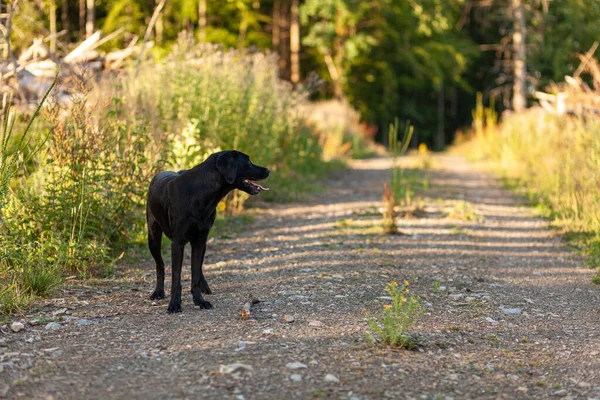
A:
{"x": 176, "y": 261}
{"x": 199, "y": 284}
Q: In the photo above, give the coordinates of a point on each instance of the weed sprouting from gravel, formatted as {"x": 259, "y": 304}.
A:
{"x": 596, "y": 278}
{"x": 392, "y": 325}
{"x": 464, "y": 211}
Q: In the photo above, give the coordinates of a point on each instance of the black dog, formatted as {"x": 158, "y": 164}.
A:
{"x": 182, "y": 205}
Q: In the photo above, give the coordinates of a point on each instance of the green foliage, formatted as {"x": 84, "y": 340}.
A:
{"x": 125, "y": 14}
{"x": 417, "y": 52}
{"x": 334, "y": 31}
{"x": 392, "y": 326}
{"x": 387, "y": 57}
{"x": 569, "y": 27}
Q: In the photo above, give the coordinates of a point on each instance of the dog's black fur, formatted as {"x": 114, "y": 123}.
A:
{"x": 182, "y": 205}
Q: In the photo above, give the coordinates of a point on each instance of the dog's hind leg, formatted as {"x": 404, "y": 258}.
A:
{"x": 199, "y": 284}
{"x": 154, "y": 241}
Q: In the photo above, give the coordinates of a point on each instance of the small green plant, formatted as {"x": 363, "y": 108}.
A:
{"x": 464, "y": 211}
{"x": 436, "y": 287}
{"x": 389, "y": 211}
{"x": 13, "y": 299}
{"x": 397, "y": 189}
{"x": 596, "y": 278}
{"x": 425, "y": 161}
{"x": 392, "y": 325}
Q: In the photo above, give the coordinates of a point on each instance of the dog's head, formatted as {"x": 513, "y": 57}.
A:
{"x": 240, "y": 172}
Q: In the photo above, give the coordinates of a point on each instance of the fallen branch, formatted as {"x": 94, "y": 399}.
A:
{"x": 247, "y": 308}
{"x": 147, "y": 34}
{"x": 79, "y": 53}
{"x": 585, "y": 59}
{"x": 116, "y": 58}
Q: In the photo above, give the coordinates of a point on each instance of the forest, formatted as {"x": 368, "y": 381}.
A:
{"x": 421, "y": 60}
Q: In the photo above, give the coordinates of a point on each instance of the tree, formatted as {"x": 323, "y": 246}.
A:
{"x": 294, "y": 43}
{"x": 90, "y": 18}
{"x": 519, "y": 101}
{"x": 202, "y": 20}
{"x": 334, "y": 33}
{"x": 52, "y": 7}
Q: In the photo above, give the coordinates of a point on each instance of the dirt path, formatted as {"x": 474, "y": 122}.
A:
{"x": 321, "y": 263}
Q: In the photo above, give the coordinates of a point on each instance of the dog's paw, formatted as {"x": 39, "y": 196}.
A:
{"x": 174, "y": 308}
{"x": 203, "y": 304}
{"x": 157, "y": 294}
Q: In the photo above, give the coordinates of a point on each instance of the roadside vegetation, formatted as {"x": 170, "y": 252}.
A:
{"x": 553, "y": 160}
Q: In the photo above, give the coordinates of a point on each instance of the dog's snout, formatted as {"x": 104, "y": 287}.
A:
{"x": 268, "y": 171}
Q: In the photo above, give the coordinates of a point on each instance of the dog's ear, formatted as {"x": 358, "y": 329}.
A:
{"x": 227, "y": 167}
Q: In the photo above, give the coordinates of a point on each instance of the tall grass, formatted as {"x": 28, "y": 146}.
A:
{"x": 209, "y": 98}
{"x": 18, "y": 280}
{"x": 398, "y": 190}
{"x": 556, "y": 157}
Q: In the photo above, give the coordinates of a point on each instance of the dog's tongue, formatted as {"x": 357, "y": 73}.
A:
{"x": 257, "y": 185}
{"x": 261, "y": 187}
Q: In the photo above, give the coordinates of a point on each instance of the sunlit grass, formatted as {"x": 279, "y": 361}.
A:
{"x": 553, "y": 160}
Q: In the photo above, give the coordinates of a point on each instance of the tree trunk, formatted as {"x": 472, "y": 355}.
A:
{"x": 439, "y": 141}
{"x": 202, "y": 20}
{"x": 53, "y": 26}
{"x": 275, "y": 25}
{"x": 294, "y": 43}
{"x": 338, "y": 87}
{"x": 82, "y": 17}
{"x": 519, "y": 61}
{"x": 90, "y": 18}
{"x": 159, "y": 27}
{"x": 4, "y": 22}
{"x": 64, "y": 14}
{"x": 284, "y": 39}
